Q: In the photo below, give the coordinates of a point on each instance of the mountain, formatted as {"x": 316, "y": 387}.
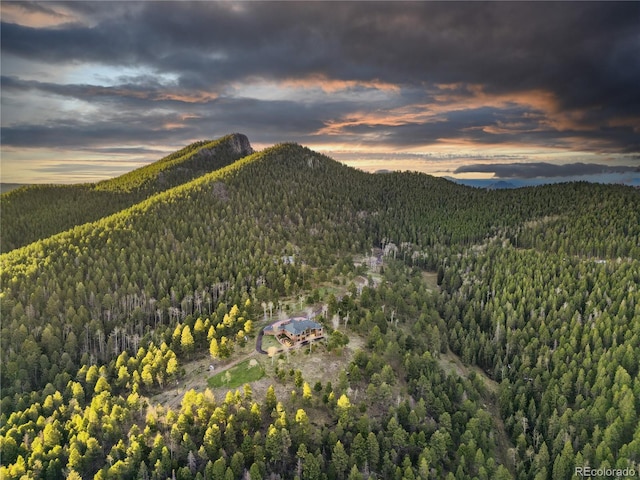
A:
{"x": 489, "y": 184}
{"x": 470, "y": 332}
{"x": 500, "y": 184}
{"x": 182, "y": 166}
{"x": 39, "y": 211}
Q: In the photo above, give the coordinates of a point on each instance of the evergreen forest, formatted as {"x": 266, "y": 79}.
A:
{"x": 34, "y": 212}
{"x": 469, "y": 333}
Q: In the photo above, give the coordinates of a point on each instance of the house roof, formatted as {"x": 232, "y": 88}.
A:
{"x": 296, "y": 327}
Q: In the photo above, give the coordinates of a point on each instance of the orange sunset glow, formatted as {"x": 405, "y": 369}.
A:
{"x": 385, "y": 86}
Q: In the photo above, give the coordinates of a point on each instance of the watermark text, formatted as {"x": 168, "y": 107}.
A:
{"x": 591, "y": 472}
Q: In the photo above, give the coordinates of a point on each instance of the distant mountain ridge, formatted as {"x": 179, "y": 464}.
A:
{"x": 628, "y": 178}
{"x": 488, "y": 184}
{"x": 33, "y": 212}
{"x": 7, "y": 187}
{"x": 500, "y": 184}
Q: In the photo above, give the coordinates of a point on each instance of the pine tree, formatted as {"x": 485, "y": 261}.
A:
{"x": 340, "y": 460}
{"x": 307, "y": 394}
{"x": 186, "y": 340}
{"x": 214, "y": 350}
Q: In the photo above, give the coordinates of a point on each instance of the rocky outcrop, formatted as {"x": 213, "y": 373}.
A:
{"x": 240, "y": 144}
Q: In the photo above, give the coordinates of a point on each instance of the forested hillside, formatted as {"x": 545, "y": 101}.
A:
{"x": 38, "y": 211}
{"x": 538, "y": 287}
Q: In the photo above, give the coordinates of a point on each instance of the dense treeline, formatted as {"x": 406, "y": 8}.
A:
{"x": 38, "y": 211}
{"x": 395, "y": 415}
{"x": 553, "y": 313}
{"x": 563, "y": 336}
{"x": 34, "y": 212}
{"x": 539, "y": 288}
{"x": 159, "y": 261}
{"x": 191, "y": 162}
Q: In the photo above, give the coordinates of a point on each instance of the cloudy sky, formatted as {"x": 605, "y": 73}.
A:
{"x": 470, "y": 90}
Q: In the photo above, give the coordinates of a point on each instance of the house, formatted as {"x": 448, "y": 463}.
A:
{"x": 295, "y": 331}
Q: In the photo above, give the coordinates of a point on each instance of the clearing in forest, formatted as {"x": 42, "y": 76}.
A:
{"x": 431, "y": 279}
{"x": 452, "y": 364}
{"x": 245, "y": 372}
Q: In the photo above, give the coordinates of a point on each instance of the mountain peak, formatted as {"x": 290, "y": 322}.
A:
{"x": 239, "y": 144}
{"x": 77, "y": 204}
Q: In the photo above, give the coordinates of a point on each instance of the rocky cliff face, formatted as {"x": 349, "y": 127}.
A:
{"x": 234, "y": 146}
{"x": 240, "y": 144}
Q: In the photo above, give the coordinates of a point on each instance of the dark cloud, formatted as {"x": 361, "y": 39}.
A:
{"x": 129, "y": 151}
{"x": 575, "y": 49}
{"x": 77, "y": 135}
{"x": 542, "y": 169}
{"x": 261, "y": 120}
{"x": 144, "y": 91}
{"x": 546, "y": 74}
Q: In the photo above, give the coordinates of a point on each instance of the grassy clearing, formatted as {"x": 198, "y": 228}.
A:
{"x": 431, "y": 279}
{"x": 245, "y": 372}
{"x": 327, "y": 289}
{"x": 450, "y": 362}
{"x": 270, "y": 341}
